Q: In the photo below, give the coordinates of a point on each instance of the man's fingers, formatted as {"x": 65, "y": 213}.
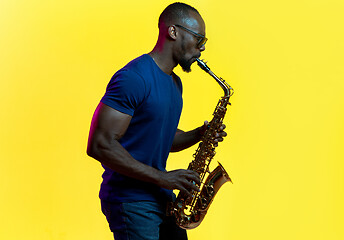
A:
{"x": 223, "y": 127}
{"x": 184, "y": 191}
{"x": 193, "y": 176}
{"x": 189, "y": 188}
{"x": 187, "y": 181}
{"x": 218, "y": 139}
{"x": 220, "y": 135}
{"x": 193, "y": 186}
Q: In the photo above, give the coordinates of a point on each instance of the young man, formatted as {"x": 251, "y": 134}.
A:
{"x": 135, "y": 127}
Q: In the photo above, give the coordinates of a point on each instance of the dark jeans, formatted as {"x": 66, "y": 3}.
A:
{"x": 141, "y": 221}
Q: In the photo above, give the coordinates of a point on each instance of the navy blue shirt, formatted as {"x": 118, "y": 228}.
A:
{"x": 154, "y": 100}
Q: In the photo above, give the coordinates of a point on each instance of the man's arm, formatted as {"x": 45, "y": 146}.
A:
{"x": 108, "y": 126}
{"x": 183, "y": 140}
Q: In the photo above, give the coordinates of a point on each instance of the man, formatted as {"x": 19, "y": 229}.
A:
{"x": 135, "y": 127}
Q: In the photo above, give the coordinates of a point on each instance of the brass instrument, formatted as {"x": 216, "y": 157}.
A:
{"x": 190, "y": 211}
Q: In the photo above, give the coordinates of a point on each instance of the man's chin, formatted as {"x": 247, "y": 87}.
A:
{"x": 186, "y": 69}
{"x": 186, "y": 66}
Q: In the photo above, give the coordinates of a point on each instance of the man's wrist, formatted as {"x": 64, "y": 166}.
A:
{"x": 200, "y": 131}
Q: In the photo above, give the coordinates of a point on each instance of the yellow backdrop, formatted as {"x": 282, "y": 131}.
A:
{"x": 284, "y": 152}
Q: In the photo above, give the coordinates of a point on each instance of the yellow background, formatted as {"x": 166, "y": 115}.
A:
{"x": 284, "y": 152}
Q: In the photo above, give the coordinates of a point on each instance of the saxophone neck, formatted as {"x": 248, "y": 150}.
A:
{"x": 228, "y": 90}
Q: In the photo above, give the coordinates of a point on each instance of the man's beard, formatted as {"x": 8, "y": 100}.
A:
{"x": 185, "y": 64}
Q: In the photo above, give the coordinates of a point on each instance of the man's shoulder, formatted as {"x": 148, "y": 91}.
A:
{"x": 139, "y": 65}
{"x": 133, "y": 70}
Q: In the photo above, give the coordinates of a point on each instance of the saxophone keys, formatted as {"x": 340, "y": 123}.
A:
{"x": 209, "y": 189}
{"x": 204, "y": 203}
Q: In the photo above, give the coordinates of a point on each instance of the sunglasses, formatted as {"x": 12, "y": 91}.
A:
{"x": 201, "y": 39}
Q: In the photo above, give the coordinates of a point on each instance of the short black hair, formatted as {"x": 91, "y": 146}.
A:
{"x": 175, "y": 13}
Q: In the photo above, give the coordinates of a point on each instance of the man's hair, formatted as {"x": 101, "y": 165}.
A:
{"x": 175, "y": 13}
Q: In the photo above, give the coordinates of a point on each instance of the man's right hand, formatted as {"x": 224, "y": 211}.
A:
{"x": 183, "y": 180}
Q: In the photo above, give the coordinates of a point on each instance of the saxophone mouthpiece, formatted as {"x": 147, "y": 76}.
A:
{"x": 202, "y": 65}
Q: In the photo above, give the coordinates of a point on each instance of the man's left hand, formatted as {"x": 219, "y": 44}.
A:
{"x": 218, "y": 136}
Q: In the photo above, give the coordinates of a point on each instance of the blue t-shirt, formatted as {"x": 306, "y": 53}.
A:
{"x": 154, "y": 100}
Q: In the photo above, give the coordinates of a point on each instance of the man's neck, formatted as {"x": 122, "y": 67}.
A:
{"x": 163, "y": 59}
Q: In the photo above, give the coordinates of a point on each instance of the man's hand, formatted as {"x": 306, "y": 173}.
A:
{"x": 183, "y": 180}
{"x": 219, "y": 135}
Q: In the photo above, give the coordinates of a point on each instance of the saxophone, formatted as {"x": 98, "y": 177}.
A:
{"x": 190, "y": 211}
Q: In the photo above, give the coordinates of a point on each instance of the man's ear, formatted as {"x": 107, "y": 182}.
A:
{"x": 172, "y": 32}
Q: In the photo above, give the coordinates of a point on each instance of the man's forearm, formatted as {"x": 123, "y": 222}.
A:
{"x": 118, "y": 159}
{"x": 183, "y": 140}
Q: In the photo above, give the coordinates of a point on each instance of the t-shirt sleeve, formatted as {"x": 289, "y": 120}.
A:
{"x": 125, "y": 92}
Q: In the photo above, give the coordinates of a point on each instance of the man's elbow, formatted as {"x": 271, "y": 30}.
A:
{"x": 92, "y": 151}
{"x": 89, "y": 151}
{"x": 98, "y": 150}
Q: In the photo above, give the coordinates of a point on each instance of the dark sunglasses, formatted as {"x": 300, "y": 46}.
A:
{"x": 201, "y": 39}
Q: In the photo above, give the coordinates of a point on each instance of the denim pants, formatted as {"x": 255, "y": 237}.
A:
{"x": 141, "y": 221}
